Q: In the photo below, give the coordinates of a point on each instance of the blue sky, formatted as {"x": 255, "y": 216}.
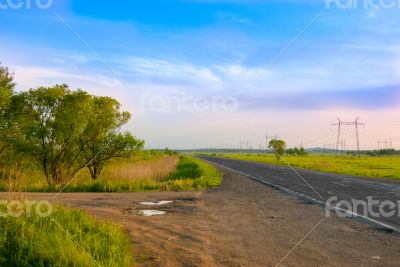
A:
{"x": 159, "y": 58}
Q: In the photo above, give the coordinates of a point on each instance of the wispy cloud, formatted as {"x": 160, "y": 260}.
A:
{"x": 162, "y": 69}
{"x": 368, "y": 98}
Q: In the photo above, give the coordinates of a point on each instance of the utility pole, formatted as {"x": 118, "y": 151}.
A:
{"x": 356, "y": 125}
{"x": 339, "y": 124}
{"x": 244, "y": 143}
{"x": 387, "y": 144}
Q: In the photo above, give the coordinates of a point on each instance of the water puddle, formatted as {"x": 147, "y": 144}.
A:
{"x": 159, "y": 203}
{"x": 152, "y": 212}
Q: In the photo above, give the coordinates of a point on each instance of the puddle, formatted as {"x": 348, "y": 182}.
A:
{"x": 152, "y": 212}
{"x": 159, "y": 203}
{"x": 137, "y": 212}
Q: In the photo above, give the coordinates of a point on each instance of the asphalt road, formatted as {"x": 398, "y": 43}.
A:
{"x": 319, "y": 187}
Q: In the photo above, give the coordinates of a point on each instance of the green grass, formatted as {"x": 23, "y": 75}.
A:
{"x": 373, "y": 167}
{"x": 190, "y": 174}
{"x": 36, "y": 241}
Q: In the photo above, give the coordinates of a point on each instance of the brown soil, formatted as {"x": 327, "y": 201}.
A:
{"x": 241, "y": 223}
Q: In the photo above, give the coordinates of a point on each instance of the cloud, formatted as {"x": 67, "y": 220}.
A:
{"x": 34, "y": 76}
{"x": 367, "y": 98}
{"x": 169, "y": 71}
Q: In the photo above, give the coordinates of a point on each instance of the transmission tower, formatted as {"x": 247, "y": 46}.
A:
{"x": 354, "y": 123}
{"x": 387, "y": 144}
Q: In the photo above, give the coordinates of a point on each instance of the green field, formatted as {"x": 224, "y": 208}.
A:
{"x": 373, "y": 167}
{"x": 53, "y": 241}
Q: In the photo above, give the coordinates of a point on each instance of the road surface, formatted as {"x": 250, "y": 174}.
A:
{"x": 319, "y": 187}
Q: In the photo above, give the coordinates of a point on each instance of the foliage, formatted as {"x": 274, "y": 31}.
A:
{"x": 101, "y": 136}
{"x": 6, "y": 91}
{"x": 170, "y": 152}
{"x": 36, "y": 241}
{"x": 62, "y": 131}
{"x": 278, "y": 147}
{"x": 296, "y": 151}
{"x": 383, "y": 152}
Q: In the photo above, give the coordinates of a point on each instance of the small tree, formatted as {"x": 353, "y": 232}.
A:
{"x": 302, "y": 152}
{"x": 114, "y": 146}
{"x": 278, "y": 147}
{"x": 102, "y": 139}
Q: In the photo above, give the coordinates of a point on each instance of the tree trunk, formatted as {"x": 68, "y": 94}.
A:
{"x": 95, "y": 170}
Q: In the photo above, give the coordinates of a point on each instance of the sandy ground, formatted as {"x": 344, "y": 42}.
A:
{"x": 241, "y": 223}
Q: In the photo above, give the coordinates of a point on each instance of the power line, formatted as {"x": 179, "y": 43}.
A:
{"x": 340, "y": 124}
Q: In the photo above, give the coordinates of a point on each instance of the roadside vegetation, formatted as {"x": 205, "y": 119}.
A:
{"x": 188, "y": 173}
{"x": 53, "y": 241}
{"x": 54, "y": 138}
{"x": 367, "y": 166}
{"x": 158, "y": 172}
{"x": 59, "y": 131}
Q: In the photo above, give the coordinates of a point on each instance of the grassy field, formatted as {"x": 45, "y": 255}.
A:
{"x": 161, "y": 173}
{"x": 374, "y": 167}
{"x": 36, "y": 241}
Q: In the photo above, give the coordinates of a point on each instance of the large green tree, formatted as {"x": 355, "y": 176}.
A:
{"x": 64, "y": 131}
{"x": 50, "y": 120}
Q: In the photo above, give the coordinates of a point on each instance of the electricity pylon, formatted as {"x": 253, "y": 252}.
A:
{"x": 354, "y": 123}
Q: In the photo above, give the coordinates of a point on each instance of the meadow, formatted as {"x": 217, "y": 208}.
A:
{"x": 31, "y": 240}
{"x": 367, "y": 166}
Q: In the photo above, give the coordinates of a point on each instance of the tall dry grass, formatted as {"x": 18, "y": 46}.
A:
{"x": 130, "y": 175}
{"x": 155, "y": 169}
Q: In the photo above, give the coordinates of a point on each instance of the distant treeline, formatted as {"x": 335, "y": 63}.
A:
{"x": 59, "y": 130}
{"x": 383, "y": 152}
{"x": 299, "y": 152}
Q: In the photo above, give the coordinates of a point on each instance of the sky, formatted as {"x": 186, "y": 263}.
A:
{"x": 212, "y": 73}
